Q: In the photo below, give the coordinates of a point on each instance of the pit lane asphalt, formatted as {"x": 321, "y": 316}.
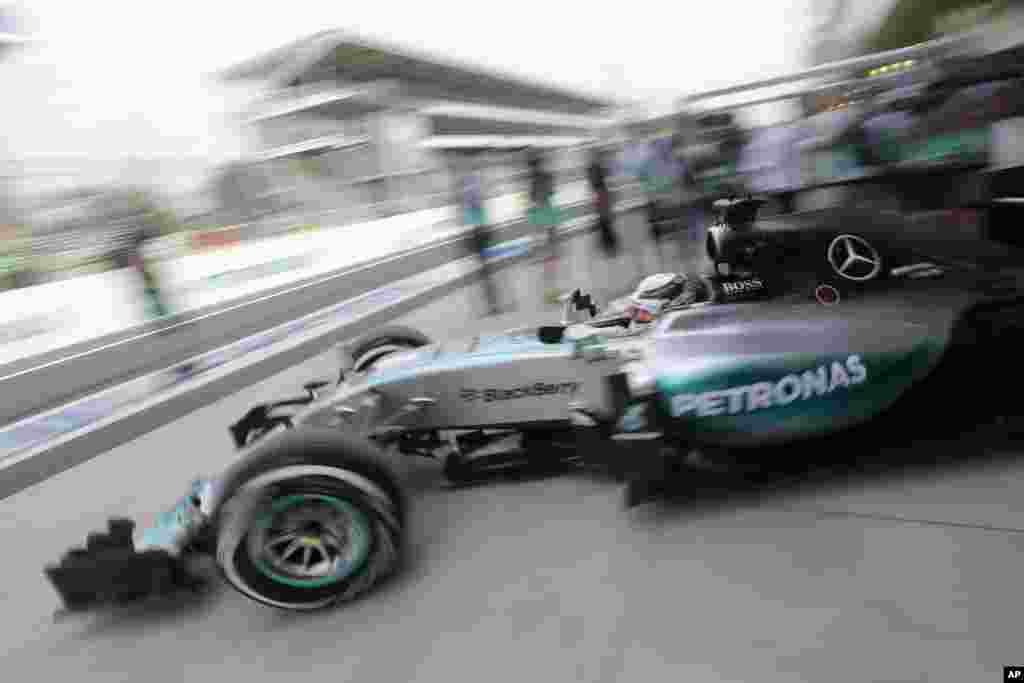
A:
{"x": 908, "y": 577}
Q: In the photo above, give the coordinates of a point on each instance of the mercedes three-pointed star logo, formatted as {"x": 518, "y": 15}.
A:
{"x": 853, "y": 258}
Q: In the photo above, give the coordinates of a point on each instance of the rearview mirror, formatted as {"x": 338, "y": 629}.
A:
{"x": 575, "y": 306}
{"x": 313, "y": 387}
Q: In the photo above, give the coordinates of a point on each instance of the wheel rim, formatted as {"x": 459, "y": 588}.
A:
{"x": 310, "y": 540}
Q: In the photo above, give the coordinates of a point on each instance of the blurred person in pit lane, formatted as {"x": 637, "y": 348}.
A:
{"x": 152, "y": 296}
{"x": 474, "y": 215}
{"x": 147, "y": 223}
{"x": 598, "y": 170}
{"x": 663, "y": 175}
{"x": 645, "y": 169}
{"x": 694, "y": 218}
{"x": 770, "y": 164}
{"x": 597, "y": 177}
{"x": 543, "y": 216}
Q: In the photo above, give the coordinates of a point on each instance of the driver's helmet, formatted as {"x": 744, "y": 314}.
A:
{"x": 653, "y": 294}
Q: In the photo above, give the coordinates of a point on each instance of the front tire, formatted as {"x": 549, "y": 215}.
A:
{"x": 310, "y": 520}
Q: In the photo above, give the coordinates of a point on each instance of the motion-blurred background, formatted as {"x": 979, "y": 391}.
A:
{"x": 137, "y": 133}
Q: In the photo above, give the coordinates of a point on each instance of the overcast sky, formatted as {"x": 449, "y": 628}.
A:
{"x": 116, "y": 77}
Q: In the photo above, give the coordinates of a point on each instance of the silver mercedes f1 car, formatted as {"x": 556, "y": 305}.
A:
{"x": 314, "y": 510}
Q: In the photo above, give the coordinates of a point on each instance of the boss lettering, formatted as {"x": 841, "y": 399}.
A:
{"x": 742, "y": 287}
{"x": 800, "y": 386}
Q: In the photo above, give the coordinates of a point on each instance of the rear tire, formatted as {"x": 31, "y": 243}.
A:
{"x": 366, "y": 352}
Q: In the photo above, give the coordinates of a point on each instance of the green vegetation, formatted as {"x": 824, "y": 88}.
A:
{"x": 153, "y": 214}
{"x": 917, "y": 21}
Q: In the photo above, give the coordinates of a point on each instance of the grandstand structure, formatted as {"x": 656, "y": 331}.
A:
{"x": 13, "y": 35}
{"x": 351, "y": 121}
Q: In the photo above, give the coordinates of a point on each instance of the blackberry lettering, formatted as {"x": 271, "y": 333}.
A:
{"x": 538, "y": 389}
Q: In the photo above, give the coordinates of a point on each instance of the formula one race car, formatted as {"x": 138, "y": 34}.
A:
{"x": 314, "y": 510}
